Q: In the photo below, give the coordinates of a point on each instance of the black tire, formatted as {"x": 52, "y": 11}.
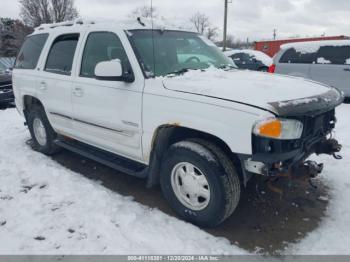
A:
{"x": 220, "y": 173}
{"x": 49, "y": 148}
{"x": 263, "y": 69}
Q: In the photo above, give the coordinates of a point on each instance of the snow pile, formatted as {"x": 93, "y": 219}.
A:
{"x": 313, "y": 47}
{"x": 333, "y": 235}
{"x": 47, "y": 209}
{"x": 347, "y": 61}
{"x": 260, "y": 56}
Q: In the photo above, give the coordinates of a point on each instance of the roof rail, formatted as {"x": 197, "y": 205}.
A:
{"x": 78, "y": 21}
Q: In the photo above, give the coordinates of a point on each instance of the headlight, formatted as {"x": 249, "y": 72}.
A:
{"x": 287, "y": 129}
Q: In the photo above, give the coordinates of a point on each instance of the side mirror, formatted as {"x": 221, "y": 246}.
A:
{"x": 109, "y": 70}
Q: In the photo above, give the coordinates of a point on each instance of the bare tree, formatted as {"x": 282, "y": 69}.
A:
{"x": 200, "y": 22}
{"x": 144, "y": 12}
{"x": 12, "y": 35}
{"x": 36, "y": 12}
{"x": 63, "y": 10}
{"x": 212, "y": 32}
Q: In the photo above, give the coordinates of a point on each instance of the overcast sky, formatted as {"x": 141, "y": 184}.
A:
{"x": 255, "y": 19}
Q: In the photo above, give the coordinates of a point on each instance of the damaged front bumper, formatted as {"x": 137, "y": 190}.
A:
{"x": 288, "y": 158}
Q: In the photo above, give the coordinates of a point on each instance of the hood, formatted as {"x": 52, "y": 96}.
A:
{"x": 276, "y": 93}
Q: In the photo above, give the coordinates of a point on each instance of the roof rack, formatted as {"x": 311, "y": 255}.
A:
{"x": 78, "y": 21}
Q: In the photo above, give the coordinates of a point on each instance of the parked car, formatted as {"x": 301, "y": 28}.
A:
{"x": 168, "y": 106}
{"x": 250, "y": 59}
{"x": 327, "y": 62}
{"x": 6, "y": 92}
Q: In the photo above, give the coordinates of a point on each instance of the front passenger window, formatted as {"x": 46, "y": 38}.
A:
{"x": 101, "y": 46}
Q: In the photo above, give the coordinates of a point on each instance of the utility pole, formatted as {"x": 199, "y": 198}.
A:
{"x": 225, "y": 26}
{"x": 274, "y": 34}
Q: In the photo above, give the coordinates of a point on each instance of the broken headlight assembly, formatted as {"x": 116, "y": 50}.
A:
{"x": 279, "y": 128}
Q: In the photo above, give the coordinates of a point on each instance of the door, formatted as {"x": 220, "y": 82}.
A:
{"x": 55, "y": 82}
{"x": 107, "y": 114}
{"x": 333, "y": 67}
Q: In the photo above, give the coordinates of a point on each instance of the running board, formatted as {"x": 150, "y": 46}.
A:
{"x": 111, "y": 160}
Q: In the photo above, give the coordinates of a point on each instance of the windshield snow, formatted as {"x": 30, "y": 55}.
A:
{"x": 168, "y": 52}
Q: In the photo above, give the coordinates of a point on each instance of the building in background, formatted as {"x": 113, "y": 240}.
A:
{"x": 272, "y": 47}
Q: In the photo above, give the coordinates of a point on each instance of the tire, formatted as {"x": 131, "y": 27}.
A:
{"x": 221, "y": 176}
{"x": 44, "y": 144}
{"x": 263, "y": 69}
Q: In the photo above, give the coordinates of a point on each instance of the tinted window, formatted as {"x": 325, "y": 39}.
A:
{"x": 101, "y": 46}
{"x": 60, "y": 58}
{"x": 293, "y": 57}
{"x": 30, "y": 52}
{"x": 338, "y": 55}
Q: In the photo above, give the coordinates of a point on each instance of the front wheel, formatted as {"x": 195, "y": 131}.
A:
{"x": 43, "y": 135}
{"x": 200, "y": 182}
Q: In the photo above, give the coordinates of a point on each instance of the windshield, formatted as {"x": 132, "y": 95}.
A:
{"x": 175, "y": 52}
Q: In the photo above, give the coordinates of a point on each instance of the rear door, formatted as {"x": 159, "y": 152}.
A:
{"x": 107, "y": 114}
{"x": 332, "y": 67}
{"x": 295, "y": 63}
{"x": 27, "y": 67}
{"x": 55, "y": 81}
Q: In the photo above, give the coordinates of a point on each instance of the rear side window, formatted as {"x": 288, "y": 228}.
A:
{"x": 336, "y": 55}
{"x": 100, "y": 47}
{"x": 291, "y": 56}
{"x": 30, "y": 52}
{"x": 61, "y": 55}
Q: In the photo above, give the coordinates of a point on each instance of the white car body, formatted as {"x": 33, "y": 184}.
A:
{"x": 156, "y": 102}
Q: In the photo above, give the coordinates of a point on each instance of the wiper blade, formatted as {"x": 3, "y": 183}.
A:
{"x": 227, "y": 67}
{"x": 180, "y": 72}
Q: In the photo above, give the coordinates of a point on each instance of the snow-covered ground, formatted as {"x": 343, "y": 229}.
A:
{"x": 48, "y": 209}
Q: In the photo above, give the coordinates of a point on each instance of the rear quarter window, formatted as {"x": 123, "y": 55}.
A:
{"x": 336, "y": 55}
{"x": 292, "y": 56}
{"x": 30, "y": 52}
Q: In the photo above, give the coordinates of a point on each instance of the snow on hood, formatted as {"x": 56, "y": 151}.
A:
{"x": 253, "y": 88}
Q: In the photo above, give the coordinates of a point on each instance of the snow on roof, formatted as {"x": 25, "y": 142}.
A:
{"x": 265, "y": 59}
{"x": 129, "y": 24}
{"x": 314, "y": 46}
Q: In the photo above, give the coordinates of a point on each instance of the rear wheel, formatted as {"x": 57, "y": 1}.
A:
{"x": 200, "y": 182}
{"x": 42, "y": 133}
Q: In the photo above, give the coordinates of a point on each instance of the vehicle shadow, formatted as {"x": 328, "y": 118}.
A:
{"x": 264, "y": 222}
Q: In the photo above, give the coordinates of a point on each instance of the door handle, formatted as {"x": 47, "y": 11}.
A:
{"x": 347, "y": 69}
{"x": 42, "y": 85}
{"x": 78, "y": 91}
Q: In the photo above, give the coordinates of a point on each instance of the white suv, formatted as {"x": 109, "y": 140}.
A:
{"x": 168, "y": 106}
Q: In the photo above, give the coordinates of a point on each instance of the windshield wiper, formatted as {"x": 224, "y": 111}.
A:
{"x": 228, "y": 67}
{"x": 180, "y": 72}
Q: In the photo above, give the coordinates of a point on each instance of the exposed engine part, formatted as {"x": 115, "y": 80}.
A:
{"x": 329, "y": 147}
{"x": 305, "y": 171}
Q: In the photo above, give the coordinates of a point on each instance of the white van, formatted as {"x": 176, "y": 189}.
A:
{"x": 168, "y": 106}
{"x": 323, "y": 61}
